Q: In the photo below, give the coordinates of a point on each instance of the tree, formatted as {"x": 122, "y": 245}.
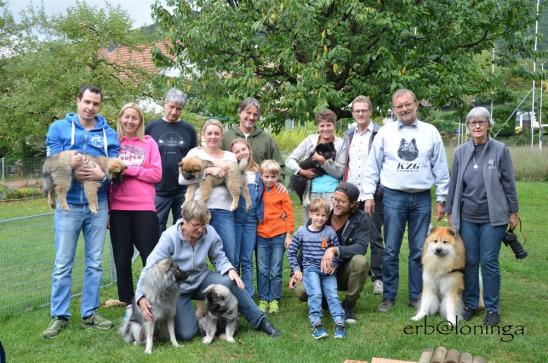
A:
{"x": 300, "y": 56}
{"x": 52, "y": 59}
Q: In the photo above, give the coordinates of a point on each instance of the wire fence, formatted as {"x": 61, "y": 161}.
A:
{"x": 26, "y": 263}
{"x": 20, "y": 169}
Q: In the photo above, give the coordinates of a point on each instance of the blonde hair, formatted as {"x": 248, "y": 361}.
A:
{"x": 270, "y": 166}
{"x": 319, "y": 204}
{"x": 214, "y": 122}
{"x": 140, "y": 132}
{"x": 193, "y": 209}
{"x": 251, "y": 164}
{"x": 362, "y": 99}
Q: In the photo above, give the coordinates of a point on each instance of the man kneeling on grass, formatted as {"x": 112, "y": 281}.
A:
{"x": 314, "y": 239}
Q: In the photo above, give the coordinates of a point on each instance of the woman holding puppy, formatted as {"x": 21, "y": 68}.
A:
{"x": 220, "y": 200}
{"x": 133, "y": 220}
{"x": 322, "y": 186}
{"x": 482, "y": 201}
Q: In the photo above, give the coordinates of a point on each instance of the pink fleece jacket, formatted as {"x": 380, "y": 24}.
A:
{"x": 136, "y": 191}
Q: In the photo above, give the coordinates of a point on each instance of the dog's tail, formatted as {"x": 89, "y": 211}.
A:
{"x": 243, "y": 165}
{"x": 46, "y": 177}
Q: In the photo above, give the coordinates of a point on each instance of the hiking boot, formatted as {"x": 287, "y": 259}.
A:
{"x": 415, "y": 304}
{"x": 97, "y": 321}
{"x": 273, "y": 307}
{"x": 378, "y": 287}
{"x": 263, "y": 306}
{"x": 349, "y": 313}
{"x": 491, "y": 318}
{"x": 340, "y": 331}
{"x": 468, "y": 313}
{"x": 385, "y": 305}
{"x": 318, "y": 331}
{"x": 54, "y": 327}
{"x": 268, "y": 328}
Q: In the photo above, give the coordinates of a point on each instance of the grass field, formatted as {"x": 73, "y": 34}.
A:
{"x": 520, "y": 339}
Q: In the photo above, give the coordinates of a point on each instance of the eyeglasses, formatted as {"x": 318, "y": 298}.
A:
{"x": 359, "y": 112}
{"x": 406, "y": 105}
{"x": 338, "y": 201}
{"x": 477, "y": 123}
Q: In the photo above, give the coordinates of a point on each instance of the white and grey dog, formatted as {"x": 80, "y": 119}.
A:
{"x": 222, "y": 314}
{"x": 161, "y": 289}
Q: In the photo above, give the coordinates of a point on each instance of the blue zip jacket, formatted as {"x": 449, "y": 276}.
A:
{"x": 69, "y": 134}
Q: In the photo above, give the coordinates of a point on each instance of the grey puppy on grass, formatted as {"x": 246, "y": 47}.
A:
{"x": 222, "y": 314}
{"x": 161, "y": 288}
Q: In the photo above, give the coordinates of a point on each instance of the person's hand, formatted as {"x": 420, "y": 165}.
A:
{"x": 440, "y": 211}
{"x": 326, "y": 265}
{"x": 318, "y": 158}
{"x": 146, "y": 308}
{"x": 233, "y": 275}
{"x": 90, "y": 174}
{"x": 281, "y": 188}
{"x": 513, "y": 221}
{"x": 287, "y": 241}
{"x": 307, "y": 173}
{"x": 76, "y": 160}
{"x": 216, "y": 171}
{"x": 369, "y": 207}
{"x": 295, "y": 279}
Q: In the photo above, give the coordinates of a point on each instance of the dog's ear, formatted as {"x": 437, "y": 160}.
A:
{"x": 431, "y": 228}
{"x": 452, "y": 232}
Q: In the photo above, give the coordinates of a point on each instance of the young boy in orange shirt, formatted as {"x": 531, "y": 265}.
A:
{"x": 276, "y": 224}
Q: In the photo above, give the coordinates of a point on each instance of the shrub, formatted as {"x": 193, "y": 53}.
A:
{"x": 21, "y": 193}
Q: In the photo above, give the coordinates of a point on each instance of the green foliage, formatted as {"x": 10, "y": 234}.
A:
{"x": 22, "y": 193}
{"x": 42, "y": 75}
{"x": 299, "y": 56}
{"x": 288, "y": 139}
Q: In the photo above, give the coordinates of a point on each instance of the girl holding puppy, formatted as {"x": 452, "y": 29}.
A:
{"x": 245, "y": 222}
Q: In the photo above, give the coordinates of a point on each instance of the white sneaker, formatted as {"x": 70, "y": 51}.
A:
{"x": 378, "y": 287}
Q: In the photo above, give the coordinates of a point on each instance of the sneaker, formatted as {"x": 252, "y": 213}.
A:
{"x": 468, "y": 313}
{"x": 273, "y": 307}
{"x": 491, "y": 318}
{"x": 97, "y": 321}
{"x": 378, "y": 287}
{"x": 263, "y": 306}
{"x": 318, "y": 331}
{"x": 340, "y": 331}
{"x": 349, "y": 313}
{"x": 415, "y": 304}
{"x": 54, "y": 327}
{"x": 385, "y": 305}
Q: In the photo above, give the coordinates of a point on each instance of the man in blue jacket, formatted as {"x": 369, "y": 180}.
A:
{"x": 87, "y": 132}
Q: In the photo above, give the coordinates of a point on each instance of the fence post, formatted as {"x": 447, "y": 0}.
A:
{"x": 3, "y": 179}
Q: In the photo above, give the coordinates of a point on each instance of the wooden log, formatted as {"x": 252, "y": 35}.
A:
{"x": 478, "y": 359}
{"x": 452, "y": 356}
{"x": 465, "y": 357}
{"x": 439, "y": 355}
{"x": 426, "y": 355}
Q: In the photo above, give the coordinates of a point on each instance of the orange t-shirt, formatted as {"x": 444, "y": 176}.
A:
{"x": 278, "y": 214}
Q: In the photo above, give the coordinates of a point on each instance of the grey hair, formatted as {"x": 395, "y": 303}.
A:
{"x": 250, "y": 101}
{"x": 403, "y": 91}
{"x": 176, "y": 96}
{"x": 193, "y": 209}
{"x": 480, "y": 113}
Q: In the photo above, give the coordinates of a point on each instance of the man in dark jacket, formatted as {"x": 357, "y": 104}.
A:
{"x": 353, "y": 230}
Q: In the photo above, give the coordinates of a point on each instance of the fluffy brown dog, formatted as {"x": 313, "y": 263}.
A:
{"x": 443, "y": 260}
{"x": 192, "y": 168}
{"x": 57, "y": 177}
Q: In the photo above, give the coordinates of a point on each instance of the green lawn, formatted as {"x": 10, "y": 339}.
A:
{"x": 524, "y": 293}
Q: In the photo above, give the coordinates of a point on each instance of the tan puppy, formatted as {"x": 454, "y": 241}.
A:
{"x": 57, "y": 177}
{"x": 443, "y": 260}
{"x": 192, "y": 168}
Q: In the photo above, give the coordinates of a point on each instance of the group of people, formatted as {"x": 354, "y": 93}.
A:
{"x": 379, "y": 178}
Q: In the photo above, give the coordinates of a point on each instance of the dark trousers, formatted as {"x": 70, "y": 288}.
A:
{"x": 128, "y": 229}
{"x": 376, "y": 241}
{"x": 166, "y": 203}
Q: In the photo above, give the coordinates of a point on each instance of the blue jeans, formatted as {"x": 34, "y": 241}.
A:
{"x": 245, "y": 230}
{"x": 165, "y": 204}
{"x": 270, "y": 257}
{"x": 67, "y": 227}
{"x": 223, "y": 222}
{"x": 318, "y": 284}
{"x": 482, "y": 243}
{"x": 401, "y": 208}
{"x": 185, "y": 318}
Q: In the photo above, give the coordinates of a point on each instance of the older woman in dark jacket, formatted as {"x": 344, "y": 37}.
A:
{"x": 482, "y": 201}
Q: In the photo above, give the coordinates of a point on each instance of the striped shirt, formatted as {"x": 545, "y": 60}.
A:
{"x": 313, "y": 245}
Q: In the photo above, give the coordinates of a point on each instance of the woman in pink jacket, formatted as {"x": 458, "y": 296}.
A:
{"x": 133, "y": 220}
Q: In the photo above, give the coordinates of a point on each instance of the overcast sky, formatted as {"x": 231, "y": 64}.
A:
{"x": 139, "y": 10}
